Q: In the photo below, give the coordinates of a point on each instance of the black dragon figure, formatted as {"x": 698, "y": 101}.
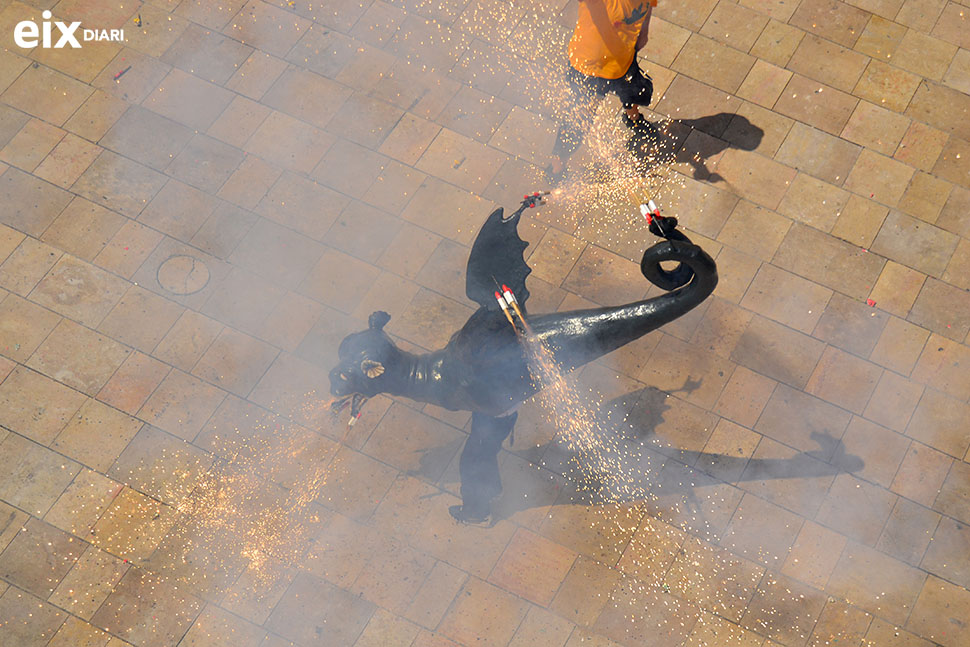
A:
{"x": 484, "y": 368}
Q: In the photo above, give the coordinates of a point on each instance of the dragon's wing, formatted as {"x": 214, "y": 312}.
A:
{"x": 496, "y": 259}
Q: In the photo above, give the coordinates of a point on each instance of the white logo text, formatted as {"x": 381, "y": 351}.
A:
{"x": 28, "y": 34}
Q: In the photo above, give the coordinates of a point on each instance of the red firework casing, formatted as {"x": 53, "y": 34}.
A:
{"x": 509, "y": 297}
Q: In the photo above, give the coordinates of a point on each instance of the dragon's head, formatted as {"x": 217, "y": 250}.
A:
{"x": 364, "y": 360}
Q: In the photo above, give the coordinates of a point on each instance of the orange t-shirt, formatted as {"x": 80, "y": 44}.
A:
{"x": 604, "y": 42}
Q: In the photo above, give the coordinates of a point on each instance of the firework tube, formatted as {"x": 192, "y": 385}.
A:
{"x": 512, "y": 301}
{"x": 645, "y": 212}
{"x": 339, "y": 405}
{"x": 528, "y": 202}
{"x": 505, "y": 308}
{"x": 658, "y": 224}
{"x": 357, "y": 403}
{"x": 507, "y": 293}
{"x": 650, "y": 210}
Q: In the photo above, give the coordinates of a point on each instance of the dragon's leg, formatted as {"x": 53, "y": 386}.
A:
{"x": 478, "y": 466}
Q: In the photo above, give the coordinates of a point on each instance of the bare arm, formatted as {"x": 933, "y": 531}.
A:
{"x": 642, "y": 37}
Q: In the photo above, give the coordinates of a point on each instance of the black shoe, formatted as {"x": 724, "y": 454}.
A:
{"x": 640, "y": 126}
{"x": 472, "y": 517}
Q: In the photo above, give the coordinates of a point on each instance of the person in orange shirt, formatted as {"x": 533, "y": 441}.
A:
{"x": 603, "y": 60}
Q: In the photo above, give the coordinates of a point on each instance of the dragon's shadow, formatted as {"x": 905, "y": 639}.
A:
{"x": 657, "y": 473}
{"x": 719, "y": 132}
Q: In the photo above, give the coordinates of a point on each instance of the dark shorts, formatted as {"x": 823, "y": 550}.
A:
{"x": 633, "y": 88}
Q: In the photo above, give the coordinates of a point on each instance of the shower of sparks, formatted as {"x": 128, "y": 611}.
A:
{"x": 613, "y": 181}
{"x": 660, "y": 564}
{"x": 267, "y": 525}
{"x": 610, "y": 174}
{"x": 242, "y": 514}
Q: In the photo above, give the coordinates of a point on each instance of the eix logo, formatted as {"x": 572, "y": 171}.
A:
{"x": 26, "y": 33}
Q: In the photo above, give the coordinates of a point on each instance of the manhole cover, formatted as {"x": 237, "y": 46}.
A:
{"x": 183, "y": 274}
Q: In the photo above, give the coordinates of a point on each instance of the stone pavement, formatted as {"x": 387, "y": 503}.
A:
{"x": 192, "y": 220}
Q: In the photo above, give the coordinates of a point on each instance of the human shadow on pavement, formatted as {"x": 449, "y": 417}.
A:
{"x": 712, "y": 135}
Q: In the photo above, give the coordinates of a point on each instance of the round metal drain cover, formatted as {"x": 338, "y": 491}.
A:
{"x": 182, "y": 274}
